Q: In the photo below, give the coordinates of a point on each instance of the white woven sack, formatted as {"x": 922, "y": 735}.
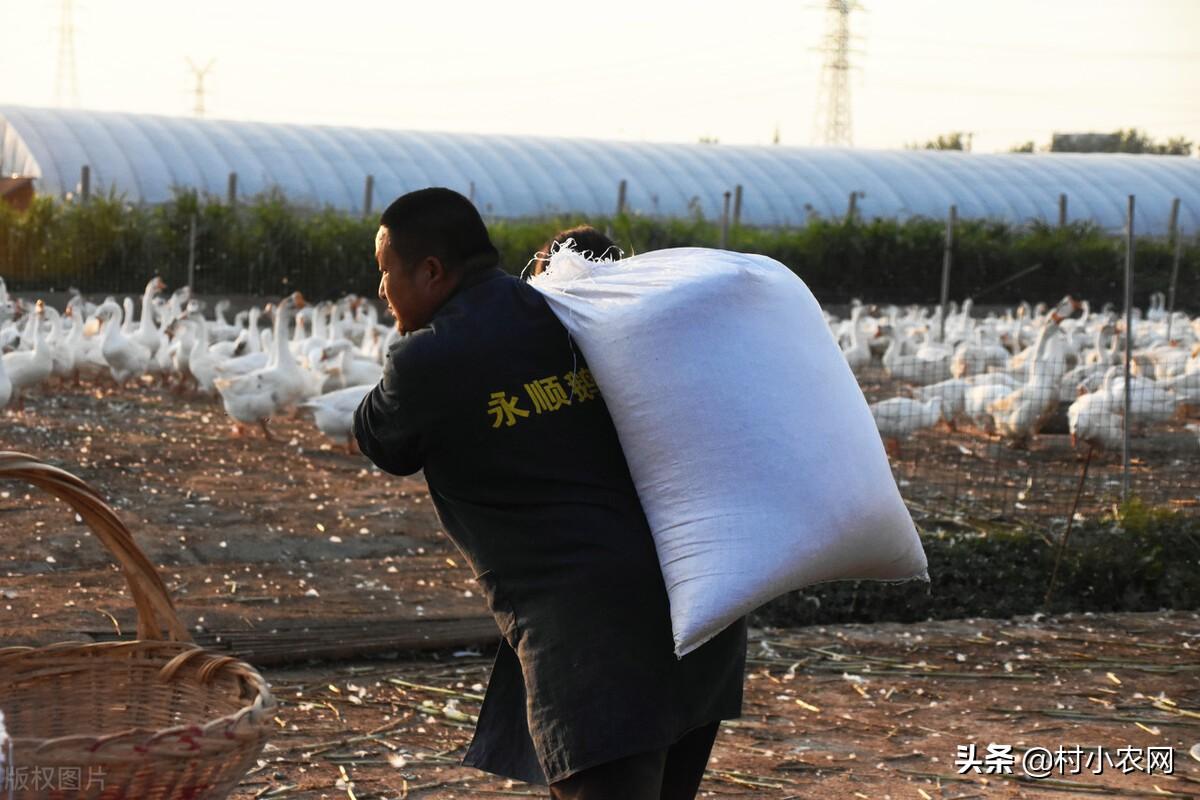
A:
{"x": 751, "y": 446}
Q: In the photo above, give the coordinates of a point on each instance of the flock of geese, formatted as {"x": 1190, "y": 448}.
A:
{"x": 1004, "y": 375}
{"x": 1007, "y": 375}
{"x": 323, "y": 358}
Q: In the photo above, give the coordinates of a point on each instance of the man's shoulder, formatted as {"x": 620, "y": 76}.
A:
{"x": 414, "y": 354}
{"x": 503, "y": 286}
{"x": 488, "y": 311}
{"x": 497, "y": 314}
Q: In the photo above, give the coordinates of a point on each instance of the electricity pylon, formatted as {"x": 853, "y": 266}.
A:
{"x": 66, "y": 78}
{"x": 198, "y": 73}
{"x": 832, "y": 124}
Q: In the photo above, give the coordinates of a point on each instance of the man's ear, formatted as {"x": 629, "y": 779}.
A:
{"x": 435, "y": 270}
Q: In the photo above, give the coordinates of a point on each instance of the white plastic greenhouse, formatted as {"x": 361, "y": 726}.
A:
{"x": 144, "y": 157}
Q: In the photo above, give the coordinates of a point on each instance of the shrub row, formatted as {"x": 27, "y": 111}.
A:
{"x": 1143, "y": 560}
{"x": 267, "y": 246}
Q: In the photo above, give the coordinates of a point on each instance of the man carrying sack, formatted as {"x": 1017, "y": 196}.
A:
{"x": 486, "y": 393}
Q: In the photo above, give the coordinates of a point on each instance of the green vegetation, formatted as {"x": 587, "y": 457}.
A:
{"x": 955, "y": 140}
{"x": 1141, "y": 559}
{"x": 267, "y": 246}
{"x": 1120, "y": 141}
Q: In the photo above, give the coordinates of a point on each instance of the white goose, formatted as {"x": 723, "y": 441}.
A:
{"x": 1149, "y": 401}
{"x": 27, "y": 368}
{"x": 1169, "y": 360}
{"x": 979, "y": 396}
{"x": 8, "y": 308}
{"x": 255, "y": 358}
{"x": 61, "y": 350}
{"x": 858, "y": 354}
{"x": 1020, "y": 414}
{"x": 221, "y": 330}
{"x": 912, "y": 368}
{"x": 256, "y": 396}
{"x": 245, "y": 340}
{"x": 6, "y": 387}
{"x": 1100, "y": 355}
{"x": 370, "y": 345}
{"x": 334, "y": 412}
{"x": 126, "y": 358}
{"x": 1065, "y": 308}
{"x": 900, "y": 417}
{"x": 952, "y": 393}
{"x": 147, "y": 334}
{"x": 976, "y": 358}
{"x": 89, "y": 362}
{"x": 202, "y": 362}
{"x": 350, "y": 368}
{"x": 1096, "y": 418}
{"x": 1186, "y": 388}
{"x": 127, "y": 326}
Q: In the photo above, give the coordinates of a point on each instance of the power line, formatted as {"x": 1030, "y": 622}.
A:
{"x": 1050, "y": 50}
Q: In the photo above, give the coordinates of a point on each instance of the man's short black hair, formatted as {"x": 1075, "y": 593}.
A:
{"x": 439, "y": 222}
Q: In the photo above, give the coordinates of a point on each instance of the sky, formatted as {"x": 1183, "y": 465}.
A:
{"x": 1007, "y": 71}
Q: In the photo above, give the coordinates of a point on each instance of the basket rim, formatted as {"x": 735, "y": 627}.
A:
{"x": 181, "y": 653}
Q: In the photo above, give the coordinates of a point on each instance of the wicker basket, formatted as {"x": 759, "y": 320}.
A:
{"x": 148, "y": 719}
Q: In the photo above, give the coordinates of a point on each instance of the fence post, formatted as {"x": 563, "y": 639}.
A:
{"x": 471, "y": 192}
{"x": 1062, "y": 211}
{"x": 725, "y": 221}
{"x": 85, "y": 182}
{"x": 368, "y": 195}
{"x": 852, "y": 207}
{"x": 737, "y": 206}
{"x": 621, "y": 189}
{"x": 192, "y": 256}
{"x": 1129, "y": 243}
{"x": 947, "y": 261}
{"x": 1174, "y": 280}
{"x": 231, "y": 191}
{"x": 1177, "y": 240}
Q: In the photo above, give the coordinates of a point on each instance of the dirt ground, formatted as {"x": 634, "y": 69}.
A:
{"x": 255, "y": 537}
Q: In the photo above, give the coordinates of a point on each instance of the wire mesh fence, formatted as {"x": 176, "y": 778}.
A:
{"x": 1009, "y": 413}
{"x": 267, "y": 248}
{"x": 1016, "y": 417}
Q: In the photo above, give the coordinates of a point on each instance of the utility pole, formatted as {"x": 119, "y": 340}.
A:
{"x": 66, "y": 77}
{"x": 198, "y": 74}
{"x": 832, "y": 125}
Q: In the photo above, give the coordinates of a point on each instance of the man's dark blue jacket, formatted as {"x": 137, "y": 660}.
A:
{"x": 496, "y": 404}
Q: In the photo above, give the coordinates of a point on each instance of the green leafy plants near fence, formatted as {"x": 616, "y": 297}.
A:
{"x": 1140, "y": 559}
{"x": 266, "y": 245}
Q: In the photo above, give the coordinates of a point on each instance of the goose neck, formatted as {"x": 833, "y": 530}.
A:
{"x": 283, "y": 353}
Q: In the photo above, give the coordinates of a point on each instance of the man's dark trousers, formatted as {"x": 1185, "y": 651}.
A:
{"x": 671, "y": 773}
